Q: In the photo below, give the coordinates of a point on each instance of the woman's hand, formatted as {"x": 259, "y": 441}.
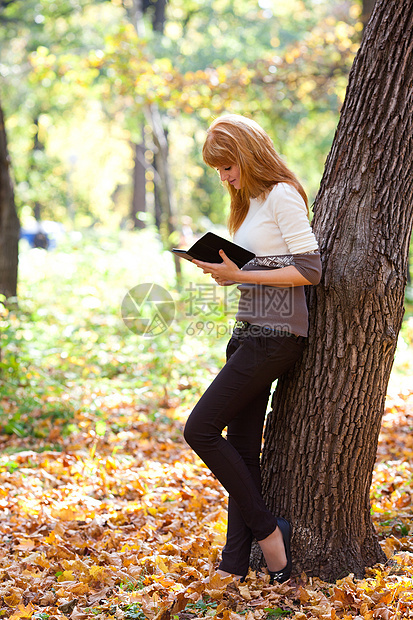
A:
{"x": 223, "y": 273}
{"x": 224, "y": 282}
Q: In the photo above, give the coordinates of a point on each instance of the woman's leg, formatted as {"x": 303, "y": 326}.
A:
{"x": 245, "y": 434}
{"x": 257, "y": 361}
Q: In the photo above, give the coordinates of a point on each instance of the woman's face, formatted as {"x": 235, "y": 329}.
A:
{"x": 231, "y": 174}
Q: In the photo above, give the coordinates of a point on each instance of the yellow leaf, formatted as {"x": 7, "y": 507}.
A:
{"x": 13, "y": 599}
{"x": 159, "y": 562}
{"x": 25, "y": 545}
{"x": 67, "y": 575}
{"x": 79, "y": 588}
{"x": 41, "y": 560}
{"x": 67, "y": 514}
{"x": 23, "y": 612}
{"x": 244, "y": 591}
{"x": 51, "y": 538}
{"x": 97, "y": 573}
{"x": 391, "y": 545}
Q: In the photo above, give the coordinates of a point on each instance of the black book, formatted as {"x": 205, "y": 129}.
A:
{"x": 207, "y": 249}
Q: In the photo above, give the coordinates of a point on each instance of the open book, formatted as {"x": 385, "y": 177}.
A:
{"x": 207, "y": 249}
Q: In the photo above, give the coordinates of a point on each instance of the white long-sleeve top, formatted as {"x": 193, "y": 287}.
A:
{"x": 278, "y": 231}
{"x": 277, "y": 225}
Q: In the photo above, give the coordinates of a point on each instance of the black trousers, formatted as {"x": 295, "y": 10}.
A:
{"x": 238, "y": 399}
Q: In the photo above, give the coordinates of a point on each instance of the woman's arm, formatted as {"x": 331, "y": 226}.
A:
{"x": 229, "y": 271}
{"x": 283, "y": 277}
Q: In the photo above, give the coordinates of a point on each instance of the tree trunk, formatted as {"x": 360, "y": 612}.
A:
{"x": 158, "y": 22}
{"x": 163, "y": 181}
{"x": 158, "y": 213}
{"x": 38, "y": 146}
{"x": 139, "y": 191}
{"x": 163, "y": 177}
{"x": 135, "y": 10}
{"x": 9, "y": 222}
{"x": 321, "y": 437}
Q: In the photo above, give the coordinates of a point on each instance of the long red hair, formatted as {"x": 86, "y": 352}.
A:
{"x": 235, "y": 139}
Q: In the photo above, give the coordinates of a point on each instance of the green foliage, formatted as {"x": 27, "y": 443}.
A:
{"x": 278, "y": 613}
{"x": 78, "y": 77}
{"x": 65, "y": 343}
{"x": 131, "y": 586}
{"x": 133, "y": 612}
{"x": 42, "y": 108}
{"x": 203, "y": 606}
{"x": 66, "y": 339}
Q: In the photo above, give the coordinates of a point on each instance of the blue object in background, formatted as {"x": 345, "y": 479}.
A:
{"x": 43, "y": 235}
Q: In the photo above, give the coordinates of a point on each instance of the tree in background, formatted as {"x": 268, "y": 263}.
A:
{"x": 22, "y": 32}
{"x": 94, "y": 87}
{"x": 9, "y": 222}
{"x": 239, "y": 59}
{"x": 321, "y": 437}
{"x": 85, "y": 62}
{"x": 46, "y": 112}
{"x": 137, "y": 10}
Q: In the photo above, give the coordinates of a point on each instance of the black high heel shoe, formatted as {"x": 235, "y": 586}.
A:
{"x": 283, "y": 575}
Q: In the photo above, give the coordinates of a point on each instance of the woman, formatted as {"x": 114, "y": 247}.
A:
{"x": 268, "y": 216}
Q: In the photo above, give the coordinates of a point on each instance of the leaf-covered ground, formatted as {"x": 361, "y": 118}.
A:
{"x": 105, "y": 512}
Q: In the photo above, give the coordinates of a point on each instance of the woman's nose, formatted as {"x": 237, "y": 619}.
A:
{"x": 223, "y": 175}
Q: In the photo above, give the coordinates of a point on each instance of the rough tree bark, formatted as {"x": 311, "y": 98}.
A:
{"x": 321, "y": 437}
{"x": 9, "y": 222}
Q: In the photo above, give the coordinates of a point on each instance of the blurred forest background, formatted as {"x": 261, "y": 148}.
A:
{"x": 105, "y": 105}
{"x": 106, "y": 102}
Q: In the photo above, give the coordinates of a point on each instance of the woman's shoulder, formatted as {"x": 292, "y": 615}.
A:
{"x": 285, "y": 194}
{"x": 284, "y": 189}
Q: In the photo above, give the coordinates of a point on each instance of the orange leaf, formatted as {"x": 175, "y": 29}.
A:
{"x": 79, "y": 589}
{"x": 23, "y": 612}
{"x": 25, "y": 545}
{"x": 13, "y": 599}
{"x": 67, "y": 575}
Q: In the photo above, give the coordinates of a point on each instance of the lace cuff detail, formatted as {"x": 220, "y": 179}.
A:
{"x": 307, "y": 263}
{"x": 276, "y": 262}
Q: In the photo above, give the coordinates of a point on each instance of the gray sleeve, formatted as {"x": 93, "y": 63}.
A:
{"x": 309, "y": 265}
